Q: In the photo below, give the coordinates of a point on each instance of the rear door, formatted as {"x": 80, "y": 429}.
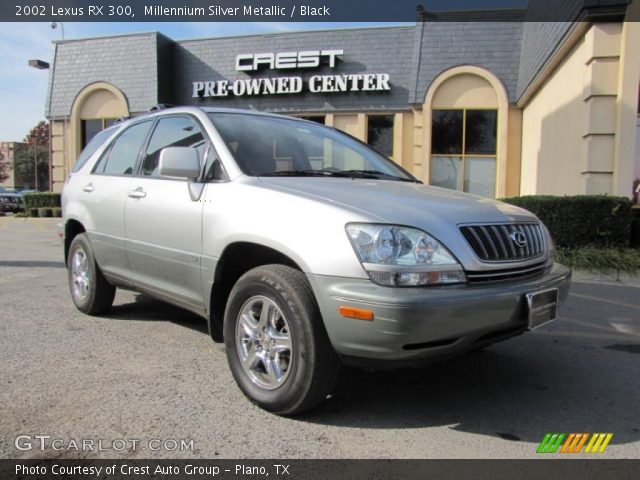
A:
{"x": 104, "y": 192}
{"x": 164, "y": 220}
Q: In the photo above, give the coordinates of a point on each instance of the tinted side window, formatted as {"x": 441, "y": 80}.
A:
{"x": 95, "y": 143}
{"x": 171, "y": 132}
{"x": 125, "y": 150}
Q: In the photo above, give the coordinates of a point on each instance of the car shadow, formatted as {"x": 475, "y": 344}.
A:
{"x": 517, "y": 390}
{"x": 145, "y": 308}
{"x": 501, "y": 391}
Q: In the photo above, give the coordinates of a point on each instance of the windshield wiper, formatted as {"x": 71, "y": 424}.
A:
{"x": 298, "y": 173}
{"x": 372, "y": 174}
{"x": 376, "y": 174}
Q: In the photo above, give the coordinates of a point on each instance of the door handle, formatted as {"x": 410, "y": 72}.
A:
{"x": 137, "y": 193}
{"x": 88, "y": 187}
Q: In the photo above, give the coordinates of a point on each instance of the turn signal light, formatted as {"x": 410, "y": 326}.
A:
{"x": 357, "y": 313}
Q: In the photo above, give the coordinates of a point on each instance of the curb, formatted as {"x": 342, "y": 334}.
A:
{"x": 12, "y": 218}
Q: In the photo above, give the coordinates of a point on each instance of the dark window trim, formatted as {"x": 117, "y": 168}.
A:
{"x": 107, "y": 152}
{"x": 103, "y": 122}
{"x": 463, "y": 155}
{"x": 138, "y": 166}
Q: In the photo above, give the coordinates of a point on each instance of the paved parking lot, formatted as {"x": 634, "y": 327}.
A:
{"x": 149, "y": 371}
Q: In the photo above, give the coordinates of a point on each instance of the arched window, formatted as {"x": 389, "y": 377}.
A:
{"x": 95, "y": 108}
{"x": 464, "y": 119}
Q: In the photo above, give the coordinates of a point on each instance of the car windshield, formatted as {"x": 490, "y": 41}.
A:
{"x": 272, "y": 146}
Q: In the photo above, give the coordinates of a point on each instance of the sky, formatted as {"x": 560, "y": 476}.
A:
{"x": 23, "y": 89}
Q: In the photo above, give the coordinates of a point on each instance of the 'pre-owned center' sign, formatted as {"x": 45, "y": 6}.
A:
{"x": 252, "y": 62}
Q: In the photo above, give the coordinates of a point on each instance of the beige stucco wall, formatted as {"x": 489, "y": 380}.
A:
{"x": 59, "y": 153}
{"x": 465, "y": 91}
{"x": 405, "y": 139}
{"x": 552, "y": 131}
{"x": 626, "y": 160}
{"x": 420, "y": 162}
{"x": 569, "y": 126}
{"x": 514, "y": 153}
{"x": 354, "y": 124}
{"x": 102, "y": 104}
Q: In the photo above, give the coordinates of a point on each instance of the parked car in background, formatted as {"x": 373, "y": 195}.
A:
{"x": 11, "y": 202}
{"x": 302, "y": 247}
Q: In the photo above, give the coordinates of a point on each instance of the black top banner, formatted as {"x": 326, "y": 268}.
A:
{"x": 311, "y": 10}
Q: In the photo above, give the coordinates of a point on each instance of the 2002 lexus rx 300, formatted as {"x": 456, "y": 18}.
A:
{"x": 302, "y": 247}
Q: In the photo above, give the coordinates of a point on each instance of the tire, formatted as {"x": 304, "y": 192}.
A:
{"x": 90, "y": 291}
{"x": 277, "y": 348}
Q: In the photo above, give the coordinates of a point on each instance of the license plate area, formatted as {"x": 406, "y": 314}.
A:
{"x": 541, "y": 307}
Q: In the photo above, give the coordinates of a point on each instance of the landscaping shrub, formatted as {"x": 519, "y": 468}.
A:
{"x": 57, "y": 212}
{"x": 635, "y": 228}
{"x": 33, "y": 212}
{"x": 45, "y": 212}
{"x": 41, "y": 200}
{"x": 582, "y": 220}
{"x": 601, "y": 259}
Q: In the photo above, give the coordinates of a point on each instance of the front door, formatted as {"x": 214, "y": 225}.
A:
{"x": 164, "y": 222}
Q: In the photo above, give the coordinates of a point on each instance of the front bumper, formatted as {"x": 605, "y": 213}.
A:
{"x": 413, "y": 324}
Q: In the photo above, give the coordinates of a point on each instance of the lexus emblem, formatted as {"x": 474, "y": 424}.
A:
{"x": 519, "y": 239}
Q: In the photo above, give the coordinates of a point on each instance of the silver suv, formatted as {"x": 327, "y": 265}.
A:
{"x": 303, "y": 248}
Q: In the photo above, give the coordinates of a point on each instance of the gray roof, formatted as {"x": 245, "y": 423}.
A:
{"x": 542, "y": 34}
{"x": 539, "y": 39}
{"x": 494, "y": 46}
{"x": 150, "y": 68}
{"x": 129, "y": 62}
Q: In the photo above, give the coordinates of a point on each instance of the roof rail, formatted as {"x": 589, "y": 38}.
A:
{"x": 120, "y": 119}
{"x": 160, "y": 106}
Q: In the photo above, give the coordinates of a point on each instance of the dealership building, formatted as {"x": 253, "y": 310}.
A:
{"x": 497, "y": 108}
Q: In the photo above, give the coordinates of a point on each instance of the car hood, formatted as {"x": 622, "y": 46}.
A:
{"x": 403, "y": 203}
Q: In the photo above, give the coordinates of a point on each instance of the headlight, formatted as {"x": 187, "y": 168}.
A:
{"x": 402, "y": 256}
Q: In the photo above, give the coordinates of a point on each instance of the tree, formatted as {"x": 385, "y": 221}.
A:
{"x": 36, "y": 146}
{"x": 4, "y": 168}
{"x": 38, "y": 134}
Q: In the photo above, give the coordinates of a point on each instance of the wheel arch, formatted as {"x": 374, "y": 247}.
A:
{"x": 72, "y": 228}
{"x": 238, "y": 258}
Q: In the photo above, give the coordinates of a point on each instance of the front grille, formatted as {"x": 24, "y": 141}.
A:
{"x": 505, "y": 242}
{"x": 486, "y": 276}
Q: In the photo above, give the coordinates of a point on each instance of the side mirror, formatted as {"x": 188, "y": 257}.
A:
{"x": 181, "y": 162}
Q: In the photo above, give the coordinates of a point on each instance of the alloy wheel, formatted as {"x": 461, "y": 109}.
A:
{"x": 263, "y": 342}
